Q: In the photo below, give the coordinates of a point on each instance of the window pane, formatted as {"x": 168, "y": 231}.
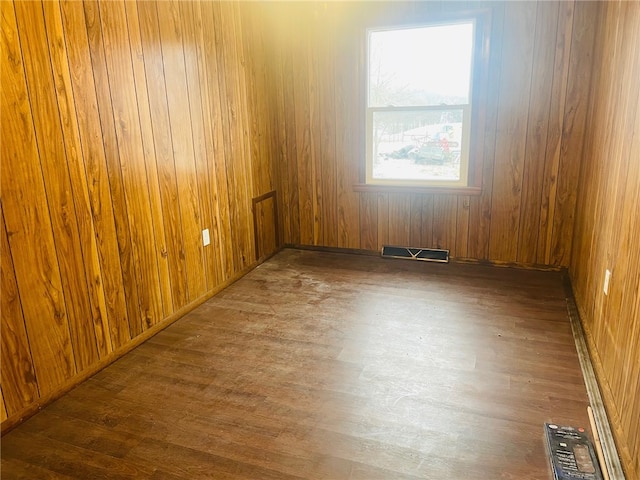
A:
{"x": 417, "y": 145}
{"x": 420, "y": 66}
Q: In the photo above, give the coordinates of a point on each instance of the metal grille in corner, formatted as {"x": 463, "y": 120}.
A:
{"x": 413, "y": 253}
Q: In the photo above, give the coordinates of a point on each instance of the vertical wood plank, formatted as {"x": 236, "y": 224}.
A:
{"x": 511, "y": 131}
{"x": 3, "y": 408}
{"x": 315, "y": 65}
{"x": 327, "y": 155}
{"x": 214, "y": 256}
{"x": 573, "y": 132}
{"x": 163, "y": 147}
{"x": 115, "y": 180}
{"x": 347, "y": 142}
{"x": 243, "y": 132}
{"x": 480, "y": 208}
{"x": 95, "y": 169}
{"x": 369, "y": 221}
{"x": 445, "y": 208}
{"x": 281, "y": 141}
{"x": 537, "y": 129}
{"x": 183, "y": 144}
{"x": 253, "y": 51}
{"x": 462, "y": 227}
{"x": 217, "y": 163}
{"x": 383, "y": 220}
{"x": 132, "y": 164}
{"x": 224, "y": 175}
{"x": 146, "y": 130}
{"x": 302, "y": 105}
{"x": 399, "y": 220}
{"x": 244, "y": 50}
{"x": 427, "y": 221}
{"x": 228, "y": 76}
{"x": 415, "y": 232}
{"x": 80, "y": 194}
{"x": 19, "y": 384}
{"x": 554, "y": 130}
{"x": 292, "y": 146}
{"x": 57, "y": 184}
{"x": 202, "y": 137}
{"x": 28, "y": 227}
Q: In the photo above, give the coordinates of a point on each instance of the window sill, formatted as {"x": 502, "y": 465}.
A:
{"x": 363, "y": 187}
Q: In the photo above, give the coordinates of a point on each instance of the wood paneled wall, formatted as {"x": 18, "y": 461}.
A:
{"x": 127, "y": 128}
{"x": 608, "y": 224}
{"x": 535, "y": 112}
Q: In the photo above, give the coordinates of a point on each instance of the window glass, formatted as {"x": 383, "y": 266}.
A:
{"x": 419, "y": 104}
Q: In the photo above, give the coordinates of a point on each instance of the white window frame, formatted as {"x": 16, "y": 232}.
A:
{"x": 469, "y": 115}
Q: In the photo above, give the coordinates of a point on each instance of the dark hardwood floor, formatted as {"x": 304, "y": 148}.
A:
{"x": 335, "y": 366}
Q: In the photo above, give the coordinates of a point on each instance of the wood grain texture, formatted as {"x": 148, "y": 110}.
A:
{"x": 157, "y": 101}
{"x": 182, "y": 133}
{"x": 607, "y": 225}
{"x": 346, "y": 116}
{"x": 95, "y": 170}
{"x": 19, "y": 385}
{"x": 3, "y": 408}
{"x": 132, "y": 165}
{"x": 28, "y": 225}
{"x": 218, "y": 163}
{"x": 316, "y": 366}
{"x": 110, "y": 144}
{"x": 114, "y": 158}
{"x": 230, "y": 91}
{"x": 303, "y": 124}
{"x": 327, "y": 181}
{"x": 544, "y": 53}
{"x": 265, "y": 221}
{"x": 196, "y": 79}
{"x": 480, "y": 207}
{"x": 57, "y": 185}
{"x": 151, "y": 165}
{"x": 71, "y": 135}
{"x": 128, "y": 127}
{"x": 554, "y": 131}
{"x": 511, "y": 130}
{"x": 573, "y": 132}
{"x": 519, "y": 207}
{"x": 369, "y": 225}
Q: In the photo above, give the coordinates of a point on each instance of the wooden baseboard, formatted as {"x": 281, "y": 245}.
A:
{"x": 319, "y": 248}
{"x": 33, "y": 408}
{"x": 518, "y": 265}
{"x": 597, "y": 388}
{"x": 473, "y": 261}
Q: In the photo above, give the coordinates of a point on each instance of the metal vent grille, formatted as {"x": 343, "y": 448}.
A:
{"x": 413, "y": 253}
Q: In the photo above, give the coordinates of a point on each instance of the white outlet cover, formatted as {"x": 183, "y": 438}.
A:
{"x": 206, "y": 240}
{"x": 607, "y": 278}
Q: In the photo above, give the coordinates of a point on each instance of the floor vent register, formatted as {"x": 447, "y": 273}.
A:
{"x": 413, "y": 253}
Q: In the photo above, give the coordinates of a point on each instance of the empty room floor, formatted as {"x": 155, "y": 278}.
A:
{"x": 334, "y": 366}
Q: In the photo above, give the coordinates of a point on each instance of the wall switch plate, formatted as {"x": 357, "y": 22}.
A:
{"x": 206, "y": 240}
{"x": 607, "y": 277}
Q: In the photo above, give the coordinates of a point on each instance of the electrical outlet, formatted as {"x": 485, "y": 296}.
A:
{"x": 206, "y": 240}
{"x": 607, "y": 278}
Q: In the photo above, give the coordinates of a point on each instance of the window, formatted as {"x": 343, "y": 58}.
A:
{"x": 420, "y": 111}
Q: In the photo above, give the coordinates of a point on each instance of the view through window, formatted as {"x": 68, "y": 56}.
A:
{"x": 419, "y": 104}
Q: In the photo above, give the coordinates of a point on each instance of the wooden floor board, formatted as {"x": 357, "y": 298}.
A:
{"x": 334, "y": 366}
